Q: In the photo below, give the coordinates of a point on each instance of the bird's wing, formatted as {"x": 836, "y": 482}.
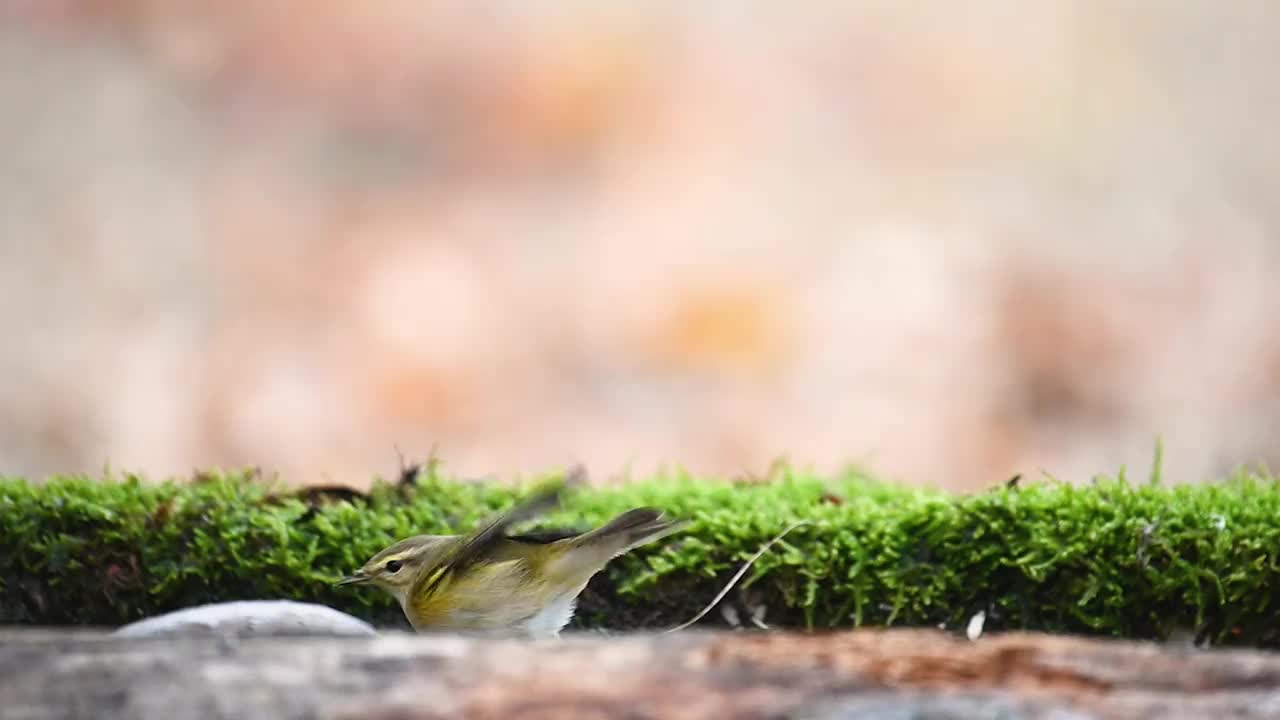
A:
{"x": 479, "y": 543}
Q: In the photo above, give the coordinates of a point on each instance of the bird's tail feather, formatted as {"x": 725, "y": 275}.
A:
{"x": 630, "y": 529}
{"x": 590, "y": 551}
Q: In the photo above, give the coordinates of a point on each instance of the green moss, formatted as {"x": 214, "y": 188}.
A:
{"x": 1108, "y": 559}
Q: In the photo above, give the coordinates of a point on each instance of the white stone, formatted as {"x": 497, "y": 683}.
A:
{"x": 250, "y": 618}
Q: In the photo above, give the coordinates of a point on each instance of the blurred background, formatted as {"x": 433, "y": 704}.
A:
{"x": 945, "y": 242}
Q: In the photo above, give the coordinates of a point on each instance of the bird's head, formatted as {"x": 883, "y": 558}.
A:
{"x": 395, "y": 568}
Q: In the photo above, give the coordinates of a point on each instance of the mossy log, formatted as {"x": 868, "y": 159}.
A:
{"x": 683, "y": 676}
{"x": 1113, "y": 559}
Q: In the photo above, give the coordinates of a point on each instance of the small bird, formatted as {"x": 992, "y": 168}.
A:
{"x": 490, "y": 582}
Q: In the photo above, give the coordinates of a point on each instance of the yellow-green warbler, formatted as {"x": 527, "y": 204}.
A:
{"x": 489, "y": 581}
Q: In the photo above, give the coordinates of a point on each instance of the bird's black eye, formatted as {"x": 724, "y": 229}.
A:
{"x": 393, "y": 566}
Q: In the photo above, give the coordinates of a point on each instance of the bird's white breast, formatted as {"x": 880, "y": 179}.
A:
{"x": 552, "y": 618}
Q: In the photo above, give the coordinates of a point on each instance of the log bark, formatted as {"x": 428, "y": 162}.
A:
{"x": 861, "y": 674}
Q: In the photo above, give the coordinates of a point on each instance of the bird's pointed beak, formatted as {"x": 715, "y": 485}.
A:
{"x": 357, "y": 578}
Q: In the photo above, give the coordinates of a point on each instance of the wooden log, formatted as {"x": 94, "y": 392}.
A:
{"x": 46, "y": 674}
